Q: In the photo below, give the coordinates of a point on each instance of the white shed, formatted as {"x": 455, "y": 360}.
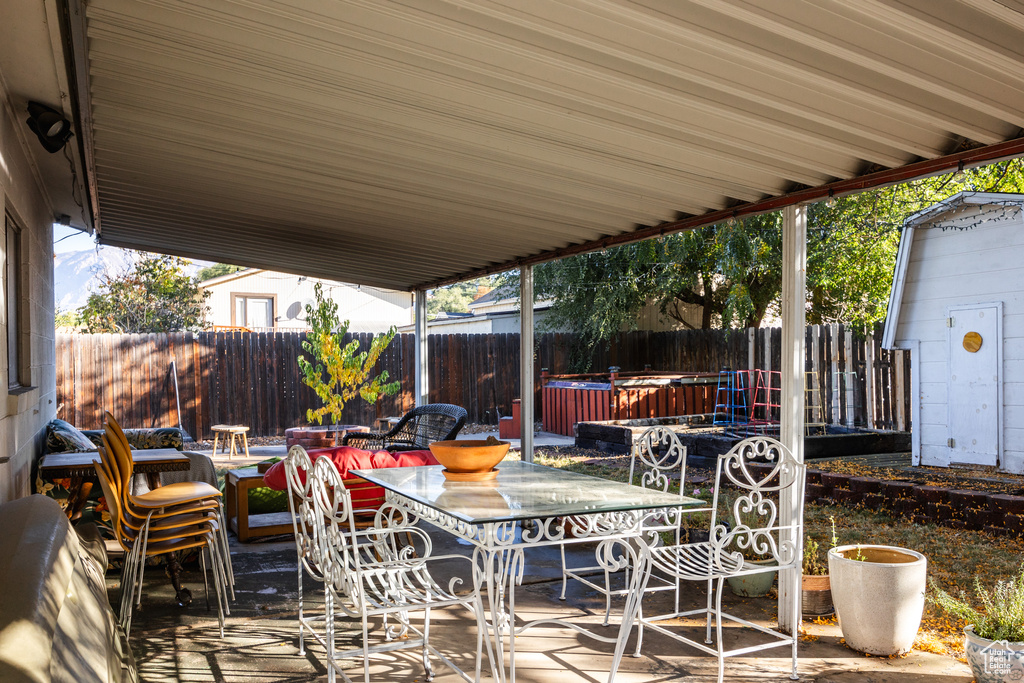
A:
{"x": 957, "y": 303}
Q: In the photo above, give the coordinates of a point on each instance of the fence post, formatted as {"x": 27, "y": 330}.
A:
{"x": 613, "y": 373}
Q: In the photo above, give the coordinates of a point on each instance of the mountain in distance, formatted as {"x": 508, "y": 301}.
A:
{"x": 76, "y": 274}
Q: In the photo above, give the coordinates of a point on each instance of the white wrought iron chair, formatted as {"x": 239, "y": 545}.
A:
{"x": 370, "y": 573}
{"x": 656, "y": 460}
{"x": 307, "y": 544}
{"x": 307, "y": 547}
{"x": 755, "y": 527}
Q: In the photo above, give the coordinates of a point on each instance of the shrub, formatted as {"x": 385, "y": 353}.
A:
{"x": 1001, "y": 613}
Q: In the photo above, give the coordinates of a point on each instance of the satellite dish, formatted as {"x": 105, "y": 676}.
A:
{"x": 297, "y": 311}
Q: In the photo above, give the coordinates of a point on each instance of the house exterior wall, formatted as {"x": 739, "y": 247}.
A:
{"x": 25, "y": 412}
{"x": 368, "y": 309}
{"x": 954, "y": 267}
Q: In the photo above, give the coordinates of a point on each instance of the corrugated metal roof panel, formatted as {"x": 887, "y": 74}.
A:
{"x": 396, "y": 144}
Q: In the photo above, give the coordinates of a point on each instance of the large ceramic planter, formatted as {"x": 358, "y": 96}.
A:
{"x": 753, "y": 585}
{"x": 816, "y": 592}
{"x": 879, "y": 599}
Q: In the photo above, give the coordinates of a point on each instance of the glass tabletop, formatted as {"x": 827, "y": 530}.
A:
{"x": 521, "y": 491}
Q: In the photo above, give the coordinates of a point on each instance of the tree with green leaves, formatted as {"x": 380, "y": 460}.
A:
{"x": 454, "y": 298}
{"x": 155, "y": 295}
{"x": 347, "y": 370}
{"x": 448, "y": 300}
{"x": 216, "y": 270}
{"x": 732, "y": 270}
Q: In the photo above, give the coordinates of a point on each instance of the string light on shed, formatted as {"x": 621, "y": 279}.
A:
{"x": 960, "y": 175}
{"x": 831, "y": 201}
{"x": 1001, "y": 211}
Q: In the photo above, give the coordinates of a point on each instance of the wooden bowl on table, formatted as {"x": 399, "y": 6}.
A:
{"x": 470, "y": 459}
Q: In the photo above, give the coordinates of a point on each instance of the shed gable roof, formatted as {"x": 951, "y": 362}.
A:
{"x": 923, "y": 219}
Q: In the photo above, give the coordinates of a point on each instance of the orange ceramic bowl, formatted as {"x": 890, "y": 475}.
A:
{"x": 469, "y": 455}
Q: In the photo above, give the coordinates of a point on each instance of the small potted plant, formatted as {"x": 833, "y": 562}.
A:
{"x": 815, "y": 586}
{"x": 994, "y": 634}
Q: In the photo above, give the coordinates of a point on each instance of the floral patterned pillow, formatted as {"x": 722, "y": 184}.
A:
{"x": 63, "y": 437}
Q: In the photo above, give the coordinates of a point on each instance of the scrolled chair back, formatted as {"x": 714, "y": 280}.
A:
{"x": 657, "y": 458}
{"x": 754, "y": 524}
{"x": 335, "y": 534}
{"x": 298, "y": 468}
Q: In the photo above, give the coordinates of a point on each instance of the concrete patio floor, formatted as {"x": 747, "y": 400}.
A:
{"x": 261, "y": 635}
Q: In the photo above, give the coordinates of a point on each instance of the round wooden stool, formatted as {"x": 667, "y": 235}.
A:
{"x": 234, "y": 431}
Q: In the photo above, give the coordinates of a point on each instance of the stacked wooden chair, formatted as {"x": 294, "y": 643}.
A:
{"x": 168, "y": 519}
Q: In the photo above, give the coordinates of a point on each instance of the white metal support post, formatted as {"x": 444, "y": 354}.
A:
{"x": 794, "y": 281}
{"x": 526, "y": 363}
{"x": 422, "y": 377}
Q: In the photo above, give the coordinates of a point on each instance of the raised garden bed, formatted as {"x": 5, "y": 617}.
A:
{"x": 705, "y": 441}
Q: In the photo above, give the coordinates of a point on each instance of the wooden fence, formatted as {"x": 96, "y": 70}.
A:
{"x": 253, "y": 378}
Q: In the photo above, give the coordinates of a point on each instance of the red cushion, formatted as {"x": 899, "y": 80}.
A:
{"x": 415, "y": 458}
{"x": 346, "y": 458}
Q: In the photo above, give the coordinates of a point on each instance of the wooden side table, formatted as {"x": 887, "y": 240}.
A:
{"x": 232, "y": 431}
{"x": 237, "y": 486}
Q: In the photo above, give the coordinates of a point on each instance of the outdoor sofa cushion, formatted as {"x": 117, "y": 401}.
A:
{"x": 346, "y": 458}
{"x": 64, "y": 437}
{"x": 56, "y": 622}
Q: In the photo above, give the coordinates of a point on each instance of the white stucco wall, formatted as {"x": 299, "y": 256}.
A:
{"x": 982, "y": 265}
{"x": 23, "y": 415}
{"x": 368, "y": 309}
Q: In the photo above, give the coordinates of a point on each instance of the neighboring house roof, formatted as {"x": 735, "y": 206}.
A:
{"x": 924, "y": 218}
{"x": 237, "y": 275}
{"x": 487, "y": 298}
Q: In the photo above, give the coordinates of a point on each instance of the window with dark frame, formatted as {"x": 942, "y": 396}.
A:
{"x": 16, "y": 366}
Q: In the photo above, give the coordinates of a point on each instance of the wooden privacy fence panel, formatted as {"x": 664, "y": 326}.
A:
{"x": 252, "y": 378}
{"x": 223, "y": 378}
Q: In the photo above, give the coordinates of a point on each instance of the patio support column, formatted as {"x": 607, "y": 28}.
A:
{"x": 791, "y": 427}
{"x": 526, "y": 363}
{"x": 422, "y": 377}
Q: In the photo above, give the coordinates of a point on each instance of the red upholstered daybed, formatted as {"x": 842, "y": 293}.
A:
{"x": 366, "y": 497}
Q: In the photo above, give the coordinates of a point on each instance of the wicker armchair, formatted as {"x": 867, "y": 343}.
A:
{"x": 415, "y": 431}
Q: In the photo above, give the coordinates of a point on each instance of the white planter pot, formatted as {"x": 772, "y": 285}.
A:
{"x": 994, "y": 661}
{"x": 879, "y": 600}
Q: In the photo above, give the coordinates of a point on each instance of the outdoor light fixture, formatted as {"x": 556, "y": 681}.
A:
{"x": 49, "y": 125}
{"x": 960, "y": 176}
{"x": 831, "y": 201}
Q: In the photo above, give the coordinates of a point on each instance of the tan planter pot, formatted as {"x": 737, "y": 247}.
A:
{"x": 816, "y": 595}
{"x": 879, "y": 600}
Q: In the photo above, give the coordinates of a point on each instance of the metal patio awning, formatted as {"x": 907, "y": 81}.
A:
{"x": 402, "y": 144}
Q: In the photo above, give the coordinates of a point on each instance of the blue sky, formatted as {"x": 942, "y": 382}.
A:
{"x": 68, "y": 239}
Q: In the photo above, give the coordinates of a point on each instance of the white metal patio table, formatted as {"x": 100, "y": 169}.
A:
{"x": 550, "y": 501}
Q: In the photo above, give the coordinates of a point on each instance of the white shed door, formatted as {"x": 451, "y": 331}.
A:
{"x": 974, "y": 357}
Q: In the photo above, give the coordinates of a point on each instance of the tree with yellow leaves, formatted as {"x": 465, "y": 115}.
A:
{"x": 347, "y": 370}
